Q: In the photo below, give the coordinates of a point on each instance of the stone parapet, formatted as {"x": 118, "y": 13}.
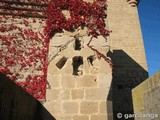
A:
{"x": 146, "y": 98}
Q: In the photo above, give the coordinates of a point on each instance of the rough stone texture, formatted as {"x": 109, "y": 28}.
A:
{"x": 99, "y": 117}
{"x": 98, "y": 92}
{"x": 127, "y": 54}
{"x": 70, "y": 107}
{"x": 126, "y": 34}
{"x": 89, "y": 107}
{"x": 146, "y": 98}
{"x": 77, "y": 97}
{"x": 80, "y": 117}
{"x": 77, "y": 93}
{"x": 87, "y": 81}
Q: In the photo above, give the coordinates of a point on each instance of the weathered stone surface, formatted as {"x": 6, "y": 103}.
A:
{"x": 54, "y": 80}
{"x": 80, "y": 117}
{"x": 70, "y": 107}
{"x": 89, "y": 107}
{"x": 53, "y": 94}
{"x": 146, "y": 97}
{"x": 77, "y": 93}
{"x": 103, "y": 107}
{"x": 87, "y": 81}
{"x": 96, "y": 94}
{"x": 68, "y": 81}
{"x": 68, "y": 68}
{"x": 104, "y": 80}
{"x": 99, "y": 117}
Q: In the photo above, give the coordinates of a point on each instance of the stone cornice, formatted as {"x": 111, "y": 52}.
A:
{"x": 133, "y": 3}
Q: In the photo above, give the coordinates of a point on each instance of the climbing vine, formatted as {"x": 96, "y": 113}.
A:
{"x": 90, "y": 15}
{"x": 23, "y": 53}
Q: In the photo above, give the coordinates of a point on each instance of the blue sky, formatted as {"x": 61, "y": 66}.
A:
{"x": 149, "y": 13}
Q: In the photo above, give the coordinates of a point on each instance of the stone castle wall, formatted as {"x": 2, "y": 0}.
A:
{"x": 78, "y": 94}
{"x": 79, "y": 81}
{"x": 146, "y": 98}
{"x": 123, "y": 20}
{"x": 127, "y": 54}
{"x": 97, "y": 92}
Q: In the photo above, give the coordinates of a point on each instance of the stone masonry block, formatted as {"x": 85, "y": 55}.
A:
{"x": 54, "y": 80}
{"x": 104, "y": 80}
{"x": 68, "y": 68}
{"x": 99, "y": 117}
{"x": 68, "y": 81}
{"x": 57, "y": 94}
{"x": 89, "y": 107}
{"x": 80, "y": 117}
{"x": 53, "y": 107}
{"x": 96, "y": 94}
{"x": 63, "y": 117}
{"x": 70, "y": 107}
{"x": 106, "y": 107}
{"x": 53, "y": 94}
{"x": 77, "y": 93}
{"x": 103, "y": 107}
{"x": 87, "y": 81}
{"x": 65, "y": 94}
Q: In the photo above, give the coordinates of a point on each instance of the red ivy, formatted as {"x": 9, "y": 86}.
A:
{"x": 24, "y": 50}
{"x": 91, "y": 15}
{"x": 82, "y": 13}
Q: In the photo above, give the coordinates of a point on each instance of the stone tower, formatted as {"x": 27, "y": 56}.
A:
{"x": 82, "y": 87}
{"x": 127, "y": 54}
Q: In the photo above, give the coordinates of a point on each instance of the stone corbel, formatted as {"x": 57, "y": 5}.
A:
{"x": 133, "y": 3}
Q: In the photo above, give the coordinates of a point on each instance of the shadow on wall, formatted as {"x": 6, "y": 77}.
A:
{"x": 17, "y": 104}
{"x": 126, "y": 75}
